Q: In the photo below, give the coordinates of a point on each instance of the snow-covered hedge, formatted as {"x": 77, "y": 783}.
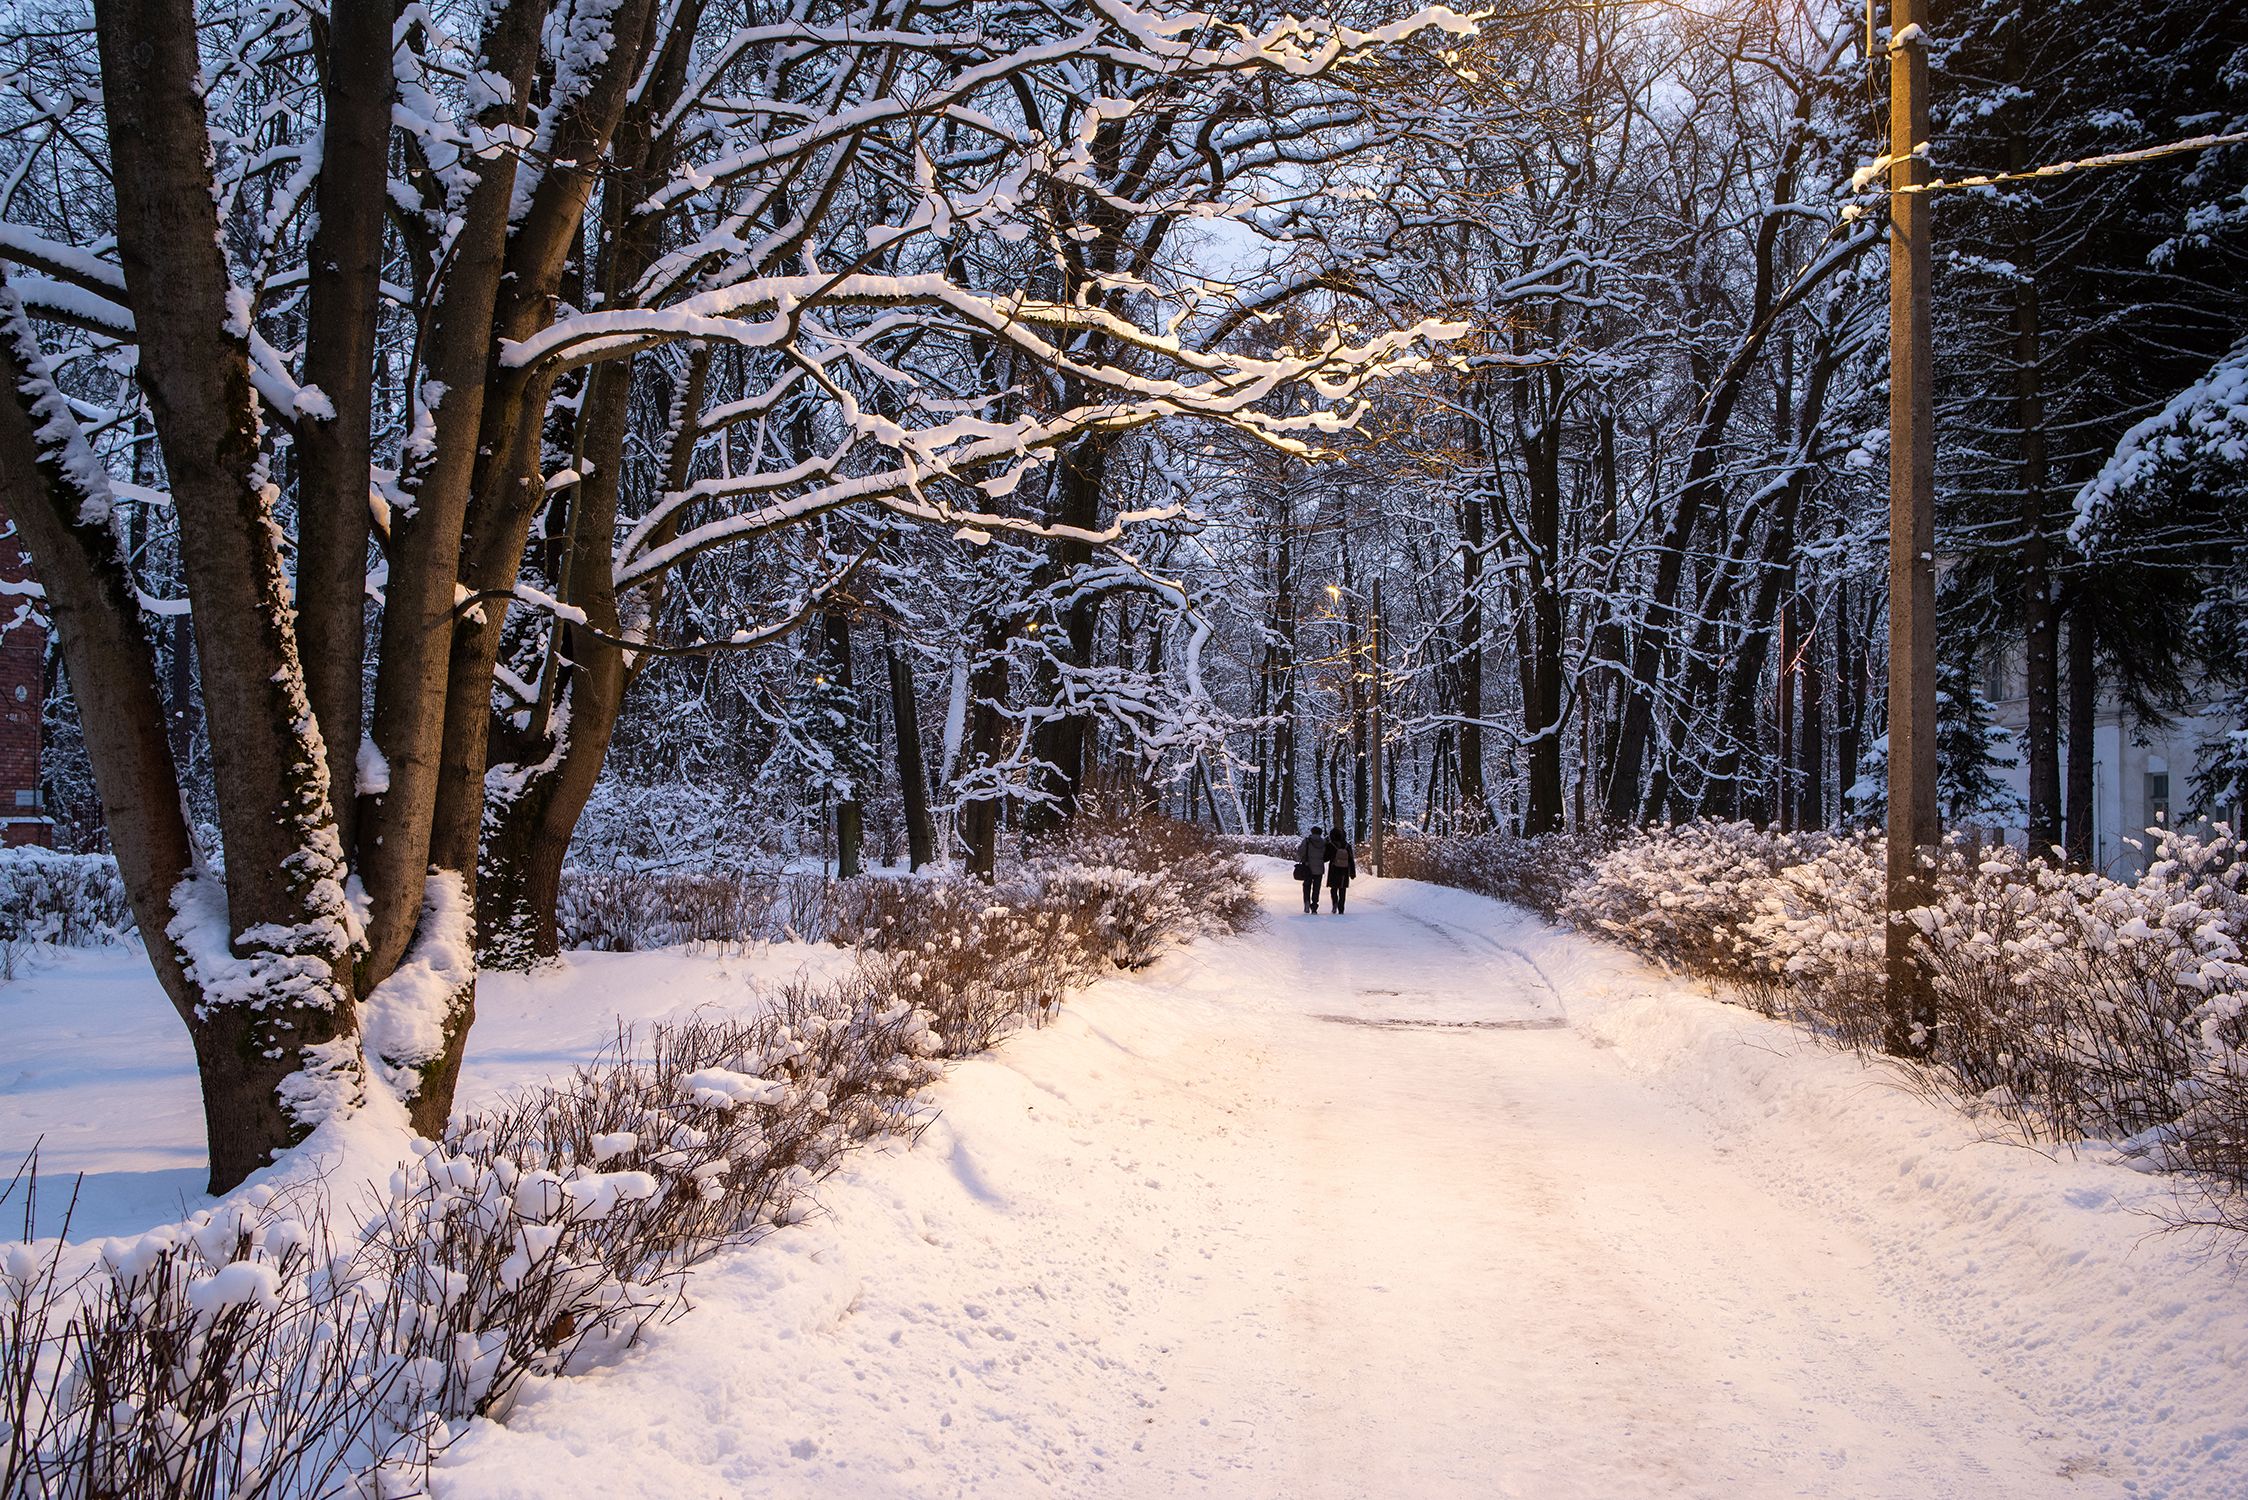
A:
{"x": 71, "y": 900}
{"x": 254, "y": 1351}
{"x": 1783, "y": 917}
{"x": 2094, "y": 1008}
{"x": 625, "y": 910}
{"x": 1534, "y": 872}
{"x": 538, "y": 1237}
{"x": 1204, "y": 888}
{"x": 1111, "y": 893}
{"x": 1143, "y": 881}
{"x": 2077, "y": 1006}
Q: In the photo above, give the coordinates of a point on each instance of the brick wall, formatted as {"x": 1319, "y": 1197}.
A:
{"x": 23, "y": 654}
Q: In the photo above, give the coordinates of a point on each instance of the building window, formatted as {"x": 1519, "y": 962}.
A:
{"x": 27, "y": 798}
{"x": 2158, "y": 797}
{"x": 1996, "y": 679}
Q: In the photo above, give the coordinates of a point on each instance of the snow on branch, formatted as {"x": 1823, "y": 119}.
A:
{"x": 2206, "y": 423}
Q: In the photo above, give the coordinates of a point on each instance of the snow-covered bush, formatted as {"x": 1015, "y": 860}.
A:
{"x": 1140, "y": 882}
{"x": 1686, "y": 895}
{"x": 2089, "y": 1007}
{"x": 538, "y": 1237}
{"x": 2078, "y": 1005}
{"x": 625, "y": 910}
{"x": 226, "y": 1355}
{"x": 984, "y": 959}
{"x": 1794, "y": 922}
{"x": 1192, "y": 882}
{"x": 1815, "y": 941}
{"x": 1537, "y": 871}
{"x": 70, "y": 900}
{"x": 2071, "y": 1004}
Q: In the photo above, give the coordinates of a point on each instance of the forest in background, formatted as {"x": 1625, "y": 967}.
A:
{"x": 1631, "y": 526}
{"x": 702, "y": 433}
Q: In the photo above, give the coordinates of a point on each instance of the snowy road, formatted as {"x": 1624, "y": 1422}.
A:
{"x": 1427, "y": 1200}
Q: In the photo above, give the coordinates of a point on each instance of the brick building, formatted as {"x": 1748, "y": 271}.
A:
{"x": 23, "y": 677}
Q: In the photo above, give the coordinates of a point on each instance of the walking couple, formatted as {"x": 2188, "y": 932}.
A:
{"x": 1319, "y": 856}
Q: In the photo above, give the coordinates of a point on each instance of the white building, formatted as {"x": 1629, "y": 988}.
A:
{"x": 2141, "y": 774}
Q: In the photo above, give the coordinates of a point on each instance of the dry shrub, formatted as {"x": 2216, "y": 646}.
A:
{"x": 1110, "y": 890}
{"x": 628, "y": 911}
{"x": 243, "y": 1354}
{"x": 1188, "y": 882}
{"x": 218, "y": 1357}
{"x": 986, "y": 959}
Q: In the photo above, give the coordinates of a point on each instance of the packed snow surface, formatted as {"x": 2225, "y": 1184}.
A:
{"x": 1425, "y": 1200}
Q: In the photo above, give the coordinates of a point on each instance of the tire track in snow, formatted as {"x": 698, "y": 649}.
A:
{"x": 1454, "y": 935}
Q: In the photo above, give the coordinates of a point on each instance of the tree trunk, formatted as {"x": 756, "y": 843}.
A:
{"x": 913, "y": 774}
{"x": 280, "y": 996}
{"x": 1286, "y": 733}
{"x": 1475, "y": 800}
{"x": 1791, "y": 637}
{"x": 1060, "y": 742}
{"x": 553, "y": 768}
{"x": 1811, "y": 748}
{"x": 1850, "y": 675}
{"x": 987, "y": 725}
{"x": 1542, "y": 703}
{"x": 343, "y": 271}
{"x": 416, "y": 638}
{"x": 2083, "y": 728}
{"x": 850, "y": 810}
{"x": 550, "y": 770}
{"x": 1598, "y": 739}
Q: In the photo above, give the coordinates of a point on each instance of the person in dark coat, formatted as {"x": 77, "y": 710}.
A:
{"x": 1341, "y": 865}
{"x": 1311, "y": 866}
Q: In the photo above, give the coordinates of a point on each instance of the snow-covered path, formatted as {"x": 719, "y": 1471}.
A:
{"x": 1427, "y": 1200}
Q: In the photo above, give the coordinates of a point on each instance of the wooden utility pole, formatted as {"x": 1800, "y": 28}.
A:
{"x": 1913, "y": 827}
{"x": 1376, "y": 752}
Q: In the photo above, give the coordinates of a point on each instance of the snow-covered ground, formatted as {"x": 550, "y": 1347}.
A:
{"x": 1427, "y": 1200}
{"x": 96, "y": 1068}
